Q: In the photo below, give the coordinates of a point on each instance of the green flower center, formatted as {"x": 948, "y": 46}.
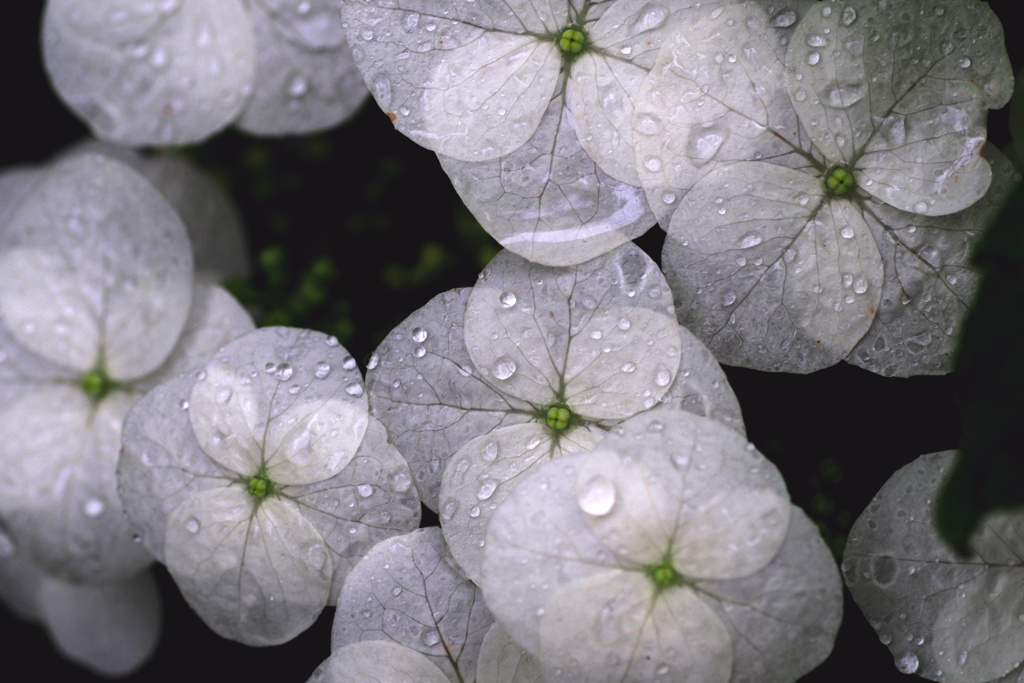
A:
{"x": 571, "y": 41}
{"x": 839, "y": 181}
{"x": 97, "y": 385}
{"x": 260, "y": 487}
{"x": 663, "y": 575}
{"x": 558, "y": 417}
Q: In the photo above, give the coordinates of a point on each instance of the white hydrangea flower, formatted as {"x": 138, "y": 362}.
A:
{"x": 671, "y": 552}
{"x": 594, "y": 343}
{"x": 97, "y": 304}
{"x": 944, "y": 616}
{"x": 528, "y": 105}
{"x": 827, "y": 175}
{"x": 260, "y": 480}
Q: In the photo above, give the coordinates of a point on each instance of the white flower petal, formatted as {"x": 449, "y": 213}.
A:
{"x": 502, "y": 660}
{"x": 547, "y": 200}
{"x": 285, "y": 400}
{"x": 408, "y": 590}
{"x": 769, "y": 272}
{"x": 306, "y": 80}
{"x": 110, "y": 629}
{"x": 371, "y": 499}
{"x": 377, "y": 661}
{"x": 257, "y": 574}
{"x": 907, "y": 112}
{"x": 58, "y": 494}
{"x": 469, "y": 82}
{"x": 483, "y": 471}
{"x": 615, "y": 626}
{"x": 597, "y": 336}
{"x": 161, "y": 463}
{"x": 424, "y": 388}
{"x": 150, "y": 74}
{"x": 930, "y": 605}
{"x": 115, "y": 259}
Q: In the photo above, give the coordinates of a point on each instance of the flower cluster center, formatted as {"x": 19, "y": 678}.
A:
{"x": 260, "y": 487}
{"x": 839, "y": 181}
{"x": 571, "y": 41}
{"x": 97, "y": 385}
{"x": 558, "y": 417}
{"x": 663, "y": 574}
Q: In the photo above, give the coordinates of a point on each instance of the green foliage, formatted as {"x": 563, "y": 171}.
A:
{"x": 989, "y": 471}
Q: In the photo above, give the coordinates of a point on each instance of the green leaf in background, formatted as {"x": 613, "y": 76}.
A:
{"x": 989, "y": 473}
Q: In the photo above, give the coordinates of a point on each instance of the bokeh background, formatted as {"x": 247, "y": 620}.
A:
{"x": 349, "y": 232}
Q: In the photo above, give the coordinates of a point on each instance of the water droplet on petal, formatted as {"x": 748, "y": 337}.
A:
{"x": 907, "y": 663}
{"x": 223, "y": 396}
{"x": 364, "y": 490}
{"x": 920, "y": 207}
{"x": 597, "y": 498}
{"x": 503, "y": 368}
{"x": 849, "y": 16}
{"x": 486, "y": 489}
{"x": 93, "y": 507}
{"x": 431, "y": 638}
{"x": 354, "y": 389}
{"x": 192, "y": 525}
{"x": 419, "y": 334}
{"x": 508, "y": 299}
{"x": 322, "y": 370}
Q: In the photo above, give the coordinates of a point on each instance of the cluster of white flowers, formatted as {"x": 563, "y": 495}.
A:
{"x": 819, "y": 171}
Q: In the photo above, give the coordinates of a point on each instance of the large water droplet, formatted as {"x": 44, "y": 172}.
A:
{"x": 597, "y": 498}
{"x": 419, "y": 334}
{"x": 364, "y": 490}
{"x": 486, "y": 489}
{"x": 507, "y": 299}
{"x": 503, "y": 368}
{"x": 907, "y": 663}
{"x": 322, "y": 370}
{"x": 93, "y": 507}
{"x": 704, "y": 143}
{"x": 783, "y": 19}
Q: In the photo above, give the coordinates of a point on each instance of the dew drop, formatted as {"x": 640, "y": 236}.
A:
{"x": 183, "y": 404}
{"x": 849, "y": 16}
{"x": 920, "y": 207}
{"x": 507, "y": 299}
{"x": 431, "y": 638}
{"x": 419, "y": 334}
{"x": 354, "y": 389}
{"x": 964, "y": 63}
{"x": 597, "y": 497}
{"x": 486, "y": 489}
{"x": 662, "y": 377}
{"x": 93, "y": 507}
{"x": 491, "y": 451}
{"x": 503, "y": 368}
{"x": 373, "y": 362}
{"x": 223, "y": 396}
{"x": 907, "y": 663}
{"x": 364, "y": 490}
{"x": 192, "y": 525}
{"x": 783, "y": 19}
{"x": 729, "y": 298}
{"x": 813, "y": 58}
{"x": 623, "y": 324}
{"x": 322, "y": 370}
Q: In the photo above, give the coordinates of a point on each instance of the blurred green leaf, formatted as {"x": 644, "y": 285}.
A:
{"x": 989, "y": 472}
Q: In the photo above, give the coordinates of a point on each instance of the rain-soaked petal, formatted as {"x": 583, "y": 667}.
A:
{"x": 780, "y": 635}
{"x": 598, "y": 337}
{"x": 255, "y": 572}
{"x": 281, "y": 401}
{"x": 424, "y": 388}
{"x": 377, "y": 660}
{"x": 935, "y": 610}
{"x": 587, "y": 551}
{"x": 547, "y": 200}
{"x": 110, "y": 629}
{"x": 161, "y": 462}
{"x": 616, "y": 627}
{"x": 469, "y": 81}
{"x": 306, "y": 79}
{"x": 408, "y": 590}
{"x": 701, "y": 386}
{"x": 715, "y": 94}
{"x": 97, "y": 268}
{"x": 483, "y": 471}
{"x": 769, "y": 271}
{"x": 900, "y": 92}
{"x": 58, "y": 494}
{"x": 372, "y": 498}
{"x": 503, "y": 660}
{"x": 930, "y": 281}
{"x": 167, "y": 73}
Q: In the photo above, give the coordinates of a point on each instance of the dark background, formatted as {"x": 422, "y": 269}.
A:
{"x": 352, "y": 230}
